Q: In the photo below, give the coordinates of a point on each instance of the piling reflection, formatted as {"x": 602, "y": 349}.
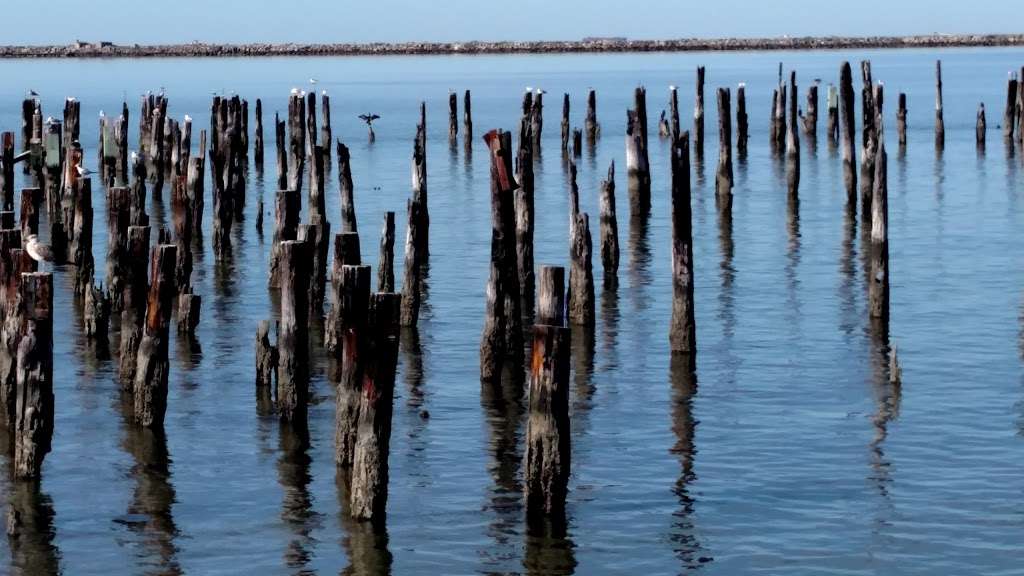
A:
{"x": 793, "y": 255}
{"x": 639, "y": 252}
{"x": 887, "y": 397}
{"x": 549, "y": 548}
{"x": 30, "y": 530}
{"x": 150, "y": 514}
{"x": 365, "y": 542}
{"x": 848, "y": 317}
{"x": 417, "y": 414}
{"x": 685, "y": 540}
{"x": 504, "y": 409}
{"x": 610, "y": 323}
{"x": 727, "y": 273}
{"x": 582, "y": 356}
{"x": 297, "y": 506}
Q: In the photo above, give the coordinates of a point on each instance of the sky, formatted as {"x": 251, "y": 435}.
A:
{"x": 237, "y": 21}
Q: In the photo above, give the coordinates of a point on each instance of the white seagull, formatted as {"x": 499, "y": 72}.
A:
{"x": 312, "y": 81}
{"x": 188, "y": 118}
{"x": 295, "y": 91}
{"x": 83, "y": 171}
{"x": 38, "y": 251}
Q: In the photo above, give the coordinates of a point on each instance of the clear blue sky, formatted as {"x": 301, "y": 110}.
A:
{"x": 144, "y": 21}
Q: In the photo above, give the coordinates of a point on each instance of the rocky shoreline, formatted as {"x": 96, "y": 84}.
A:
{"x": 81, "y": 49}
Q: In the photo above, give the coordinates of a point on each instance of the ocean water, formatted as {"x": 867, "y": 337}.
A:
{"x": 789, "y": 453}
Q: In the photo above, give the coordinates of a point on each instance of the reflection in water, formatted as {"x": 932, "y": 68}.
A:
{"x": 685, "y": 541}
{"x": 848, "y": 317}
{"x": 297, "y": 508}
{"x": 149, "y": 513}
{"x": 504, "y": 408}
{"x": 639, "y": 254}
{"x": 366, "y": 542}
{"x": 582, "y": 353}
{"x": 549, "y": 548}
{"x": 698, "y": 168}
{"x": 793, "y": 255}
{"x": 610, "y": 324}
{"x": 726, "y": 304}
{"x": 887, "y": 403}
{"x": 416, "y": 413}
{"x": 30, "y": 531}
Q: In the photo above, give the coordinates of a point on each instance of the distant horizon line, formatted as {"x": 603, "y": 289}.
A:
{"x": 589, "y": 44}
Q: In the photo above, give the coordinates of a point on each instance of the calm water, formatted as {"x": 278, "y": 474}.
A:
{"x": 790, "y": 453}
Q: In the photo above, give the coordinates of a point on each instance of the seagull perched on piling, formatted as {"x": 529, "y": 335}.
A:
{"x": 36, "y": 250}
{"x": 83, "y": 171}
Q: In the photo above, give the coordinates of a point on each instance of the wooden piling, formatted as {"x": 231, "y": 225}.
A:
{"x": 325, "y": 125}
{"x": 189, "y": 313}
{"x": 832, "y": 122}
{"x": 34, "y": 411}
{"x": 370, "y": 466}
{"x": 286, "y": 227}
{"x": 385, "y": 265}
{"x": 133, "y": 302}
{"x": 524, "y": 212}
{"x": 453, "y": 117}
{"x": 311, "y": 131}
{"x": 317, "y": 185}
{"x": 537, "y": 121}
{"x": 467, "y": 120}
{"x": 551, "y": 296}
{"x": 637, "y": 164}
{"x": 1010, "y": 112}
{"x": 296, "y": 140}
{"x": 792, "y": 143}
{"x": 257, "y": 149}
{"x": 31, "y": 201}
{"x": 293, "y": 334}
{"x": 742, "y": 134}
{"x": 501, "y": 341}
{"x": 940, "y": 125}
{"x": 81, "y": 236}
{"x": 266, "y": 366}
{"x": 867, "y": 104}
{"x": 282, "y": 153}
{"x": 348, "y": 208}
{"x": 878, "y": 284}
{"x": 346, "y": 253}
{"x": 7, "y": 169}
{"x": 352, "y": 309}
{"x": 565, "y": 124}
{"x": 118, "y": 221}
{"x": 419, "y": 187}
{"x": 581, "y": 273}
{"x": 682, "y": 331}
{"x": 316, "y": 235}
{"x": 698, "y": 116}
{"x": 901, "y": 120}
{"x": 609, "y": 229}
{"x": 724, "y": 174}
{"x": 152, "y": 367}
{"x": 577, "y": 143}
{"x": 96, "y": 316}
{"x": 979, "y": 127}
{"x": 847, "y": 121}
{"x": 592, "y": 127}
{"x": 673, "y": 107}
{"x": 810, "y": 124}
{"x": 548, "y": 445}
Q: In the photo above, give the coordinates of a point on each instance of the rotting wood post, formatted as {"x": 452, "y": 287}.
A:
{"x": 979, "y": 128}
{"x": 317, "y": 185}
{"x": 524, "y": 212}
{"x": 867, "y": 104}
{"x": 118, "y": 220}
{"x": 325, "y": 125}
{"x": 547, "y": 459}
{"x": 832, "y": 110}
{"x": 1019, "y": 124}
{"x": 257, "y": 149}
{"x": 293, "y": 334}
{"x": 419, "y": 187}
{"x": 467, "y": 120}
{"x": 412, "y": 282}
{"x": 370, "y": 467}
{"x": 386, "y": 263}
{"x": 81, "y": 239}
{"x": 811, "y": 117}
{"x": 1010, "y": 113}
{"x": 152, "y": 366}
{"x": 637, "y": 162}
{"x": 537, "y": 122}
{"x": 878, "y": 283}
{"x": 296, "y": 140}
{"x": 501, "y": 340}
{"x": 742, "y": 134}
{"x": 869, "y": 156}
{"x": 31, "y": 201}
{"x": 286, "y": 227}
{"x": 353, "y": 354}
{"x": 609, "y": 230}
{"x": 698, "y": 117}
{"x": 316, "y": 236}
{"x": 28, "y": 109}
{"x": 96, "y": 316}
{"x": 847, "y": 122}
{"x": 346, "y": 190}
{"x": 194, "y": 189}
{"x": 724, "y": 174}
{"x": 453, "y": 117}
{"x": 7, "y": 220}
{"x": 577, "y": 143}
{"x": 282, "y": 153}
{"x": 346, "y": 253}
{"x": 566, "y": 128}
{"x": 901, "y": 120}
{"x": 673, "y": 107}
{"x": 34, "y": 410}
{"x": 189, "y": 313}
{"x": 11, "y": 268}
{"x": 792, "y": 143}
{"x": 581, "y": 272}
{"x": 592, "y": 127}
{"x": 266, "y": 366}
{"x": 551, "y": 296}
{"x": 940, "y": 125}
{"x": 133, "y": 302}
{"x": 311, "y": 131}
{"x": 7, "y": 165}
{"x": 682, "y": 330}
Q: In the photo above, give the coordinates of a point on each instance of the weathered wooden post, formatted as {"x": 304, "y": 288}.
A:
{"x": 565, "y": 124}
{"x": 577, "y": 143}
{"x": 467, "y": 121}
{"x": 257, "y": 148}
{"x": 537, "y": 121}
{"x": 81, "y": 237}
{"x": 453, "y": 117}
{"x": 293, "y": 333}
{"x": 266, "y": 365}
{"x": 31, "y": 200}
{"x": 637, "y": 163}
{"x": 416, "y": 243}
{"x": 133, "y": 297}
{"x": 282, "y": 153}
{"x": 28, "y": 109}
{"x": 152, "y": 366}
{"x": 901, "y": 120}
{"x": 386, "y": 263}
{"x": 189, "y": 313}
{"x": 811, "y": 117}
{"x": 698, "y": 117}
{"x": 979, "y": 128}
{"x": 581, "y": 273}
{"x": 352, "y": 305}
{"x": 551, "y": 296}
{"x": 867, "y": 104}
{"x": 1010, "y": 113}
{"x": 419, "y": 184}
{"x": 315, "y": 235}
{"x": 34, "y": 410}
{"x": 524, "y": 203}
{"x": 501, "y": 341}
{"x": 832, "y": 122}
{"x": 683, "y": 330}
{"x": 311, "y": 131}
{"x": 7, "y": 166}
{"x": 742, "y": 134}
{"x": 118, "y": 220}
{"x": 878, "y": 284}
{"x": 296, "y": 140}
{"x": 370, "y": 466}
{"x": 792, "y": 143}
{"x": 317, "y": 185}
{"x": 547, "y": 460}
{"x": 848, "y": 121}
{"x": 325, "y": 124}
{"x": 724, "y": 175}
{"x": 286, "y": 227}
{"x": 673, "y": 107}
{"x": 940, "y": 125}
{"x": 591, "y": 125}
{"x": 348, "y": 208}
{"x": 609, "y": 229}
{"x": 96, "y": 317}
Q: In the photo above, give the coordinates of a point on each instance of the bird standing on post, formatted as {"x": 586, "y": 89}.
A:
{"x": 36, "y": 250}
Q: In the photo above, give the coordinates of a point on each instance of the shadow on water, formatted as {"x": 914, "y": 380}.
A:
{"x": 150, "y": 515}
{"x": 685, "y": 540}
{"x": 887, "y": 396}
{"x": 294, "y": 475}
{"x": 504, "y": 409}
{"x": 30, "y": 530}
{"x": 365, "y": 542}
